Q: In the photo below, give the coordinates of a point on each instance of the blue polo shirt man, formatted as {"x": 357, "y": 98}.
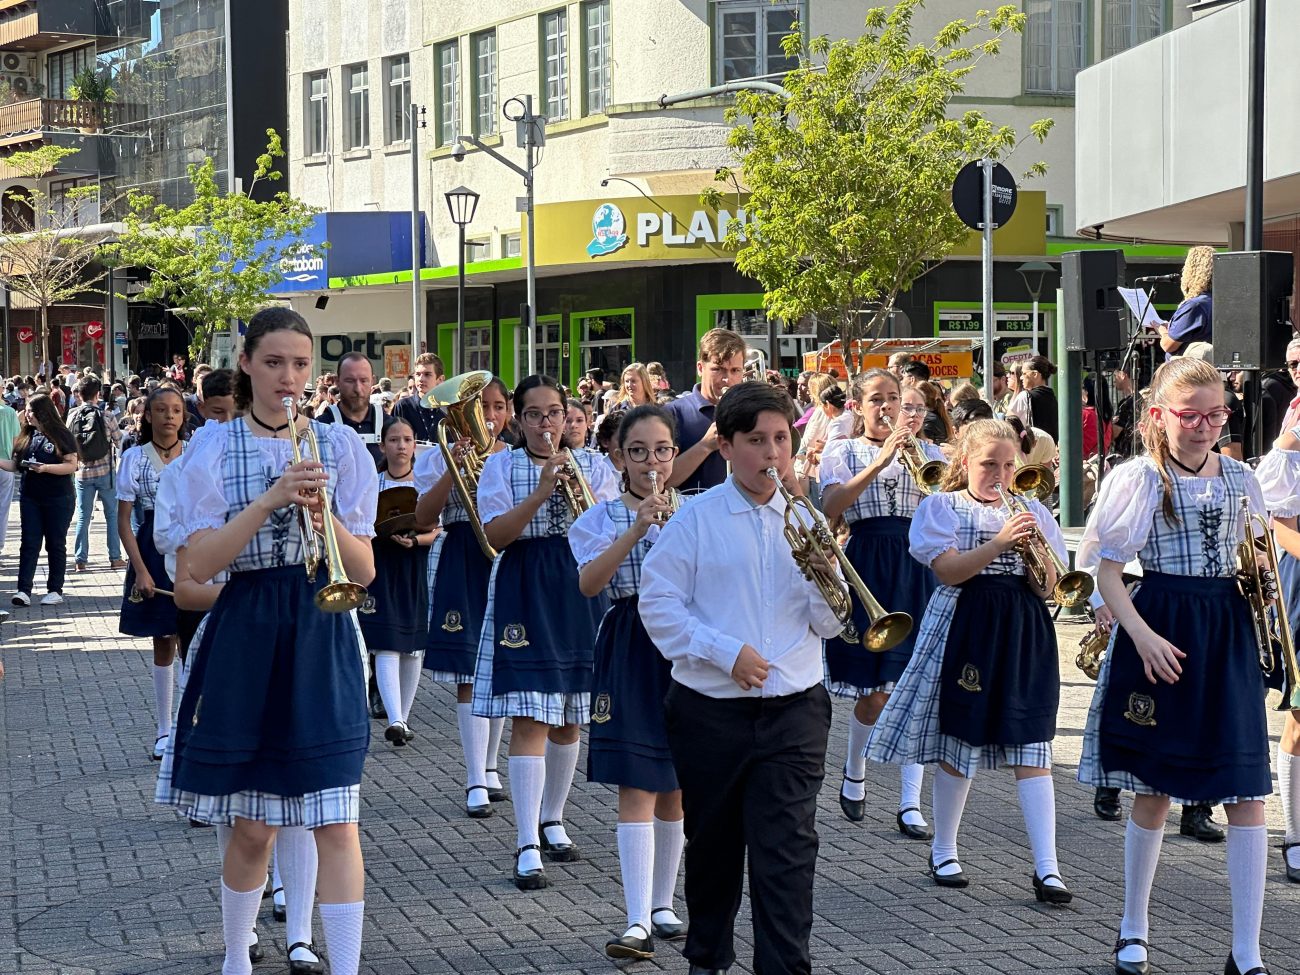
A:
{"x": 721, "y": 364}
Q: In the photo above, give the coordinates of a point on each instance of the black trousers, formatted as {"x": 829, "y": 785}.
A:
{"x": 750, "y": 771}
{"x": 44, "y": 519}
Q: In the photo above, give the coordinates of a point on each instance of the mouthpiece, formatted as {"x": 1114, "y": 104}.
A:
{"x": 773, "y": 473}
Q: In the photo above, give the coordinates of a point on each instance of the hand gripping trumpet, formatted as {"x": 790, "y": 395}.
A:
{"x": 577, "y": 492}
{"x": 339, "y": 594}
{"x": 926, "y": 473}
{"x": 1072, "y": 587}
{"x": 810, "y": 539}
{"x": 672, "y": 494}
{"x": 1268, "y": 609}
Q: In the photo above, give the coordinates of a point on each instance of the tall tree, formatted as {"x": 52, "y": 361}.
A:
{"x": 850, "y": 178}
{"x": 215, "y": 260}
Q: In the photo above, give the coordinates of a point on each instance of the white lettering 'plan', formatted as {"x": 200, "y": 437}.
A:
{"x": 704, "y": 228}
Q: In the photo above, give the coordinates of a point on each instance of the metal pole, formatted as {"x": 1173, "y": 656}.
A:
{"x": 987, "y": 166}
{"x": 416, "y": 234}
{"x": 6, "y": 327}
{"x": 460, "y": 307}
{"x": 529, "y": 143}
{"x": 1255, "y": 130}
{"x": 110, "y": 339}
{"x": 1034, "y": 324}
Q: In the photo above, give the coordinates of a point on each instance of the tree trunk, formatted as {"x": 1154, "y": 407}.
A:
{"x": 45, "y": 340}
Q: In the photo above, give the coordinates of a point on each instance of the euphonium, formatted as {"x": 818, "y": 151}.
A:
{"x": 339, "y": 594}
{"x": 926, "y": 473}
{"x": 809, "y": 539}
{"x": 462, "y": 399}
{"x": 673, "y": 495}
{"x": 1072, "y": 587}
{"x": 1268, "y": 610}
{"x": 1091, "y": 649}
{"x": 577, "y": 492}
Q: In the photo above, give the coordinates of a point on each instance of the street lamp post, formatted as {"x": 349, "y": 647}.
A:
{"x": 461, "y": 203}
{"x": 1035, "y": 270}
{"x": 416, "y": 120}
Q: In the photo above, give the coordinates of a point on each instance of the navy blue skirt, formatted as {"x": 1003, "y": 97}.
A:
{"x": 276, "y": 699}
{"x": 628, "y": 743}
{"x": 878, "y": 549}
{"x": 458, "y": 602}
{"x": 395, "y": 615}
{"x": 1001, "y": 682}
{"x": 544, "y": 627}
{"x": 1206, "y": 735}
{"x": 150, "y": 617}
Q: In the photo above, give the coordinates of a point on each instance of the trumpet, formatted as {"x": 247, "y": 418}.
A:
{"x": 809, "y": 539}
{"x": 1272, "y": 626}
{"x": 1091, "y": 649}
{"x": 1072, "y": 587}
{"x": 339, "y": 594}
{"x": 673, "y": 495}
{"x": 577, "y": 492}
{"x": 462, "y": 398}
{"x": 926, "y": 473}
{"x": 1033, "y": 481}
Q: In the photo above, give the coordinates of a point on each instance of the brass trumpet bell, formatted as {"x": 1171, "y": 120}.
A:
{"x": 1033, "y": 482}
{"x": 460, "y": 397}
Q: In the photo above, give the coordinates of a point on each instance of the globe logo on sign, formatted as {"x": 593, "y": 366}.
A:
{"x": 607, "y": 229}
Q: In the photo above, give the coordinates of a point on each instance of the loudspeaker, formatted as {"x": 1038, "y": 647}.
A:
{"x": 322, "y": 301}
{"x": 1251, "y": 299}
{"x": 1089, "y": 280}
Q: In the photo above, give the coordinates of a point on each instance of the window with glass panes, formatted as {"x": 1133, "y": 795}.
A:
{"x": 1055, "y": 45}
{"x": 72, "y": 204}
{"x": 555, "y": 64}
{"x": 547, "y": 333}
{"x": 1127, "y": 23}
{"x": 748, "y": 34}
{"x": 510, "y": 246}
{"x": 478, "y": 249}
{"x": 596, "y": 74}
{"x": 606, "y": 342}
{"x": 398, "y": 126}
{"x": 62, "y": 67}
{"x": 448, "y": 58}
{"x": 484, "y": 46}
{"x": 356, "y": 124}
{"x": 318, "y": 113}
{"x": 478, "y": 347}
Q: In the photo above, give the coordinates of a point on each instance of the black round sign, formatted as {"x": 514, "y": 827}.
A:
{"x": 968, "y": 195}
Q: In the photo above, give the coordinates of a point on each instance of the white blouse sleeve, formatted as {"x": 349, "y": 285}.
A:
{"x": 1278, "y": 476}
{"x": 591, "y": 534}
{"x": 604, "y": 480}
{"x": 429, "y": 469}
{"x": 126, "y": 480}
{"x": 495, "y": 497}
{"x": 356, "y": 497}
{"x": 1121, "y": 518}
{"x": 835, "y": 467}
{"x": 1050, "y": 529}
{"x": 200, "y": 483}
{"x": 934, "y": 528}
{"x": 934, "y": 452}
{"x": 1255, "y": 492}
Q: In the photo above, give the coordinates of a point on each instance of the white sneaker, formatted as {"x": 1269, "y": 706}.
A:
{"x": 52, "y": 599}
{"x": 21, "y": 599}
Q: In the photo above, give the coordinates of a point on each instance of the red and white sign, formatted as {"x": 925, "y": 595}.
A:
{"x": 94, "y": 330}
{"x": 26, "y": 336}
{"x": 69, "y": 345}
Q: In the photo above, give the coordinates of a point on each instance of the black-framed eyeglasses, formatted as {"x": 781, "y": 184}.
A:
{"x": 639, "y": 455}
{"x": 535, "y": 418}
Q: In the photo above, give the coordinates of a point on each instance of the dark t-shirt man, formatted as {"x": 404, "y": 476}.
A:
{"x": 694, "y": 416}
{"x": 365, "y": 429}
{"x": 423, "y": 421}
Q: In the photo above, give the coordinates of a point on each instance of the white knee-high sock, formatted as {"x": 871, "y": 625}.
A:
{"x": 277, "y": 881}
{"x": 341, "y": 924}
{"x": 670, "y": 837}
{"x": 1288, "y": 787}
{"x": 296, "y": 859}
{"x": 1247, "y": 864}
{"x": 238, "y": 914}
{"x": 1141, "y": 856}
{"x": 388, "y": 679}
{"x": 223, "y": 834}
{"x": 1038, "y": 804}
{"x": 636, "y": 851}
{"x": 527, "y": 779}
{"x": 909, "y": 796}
{"x": 474, "y": 740}
{"x": 409, "y": 668}
{"x": 162, "y": 698}
{"x": 496, "y": 727}
{"x": 561, "y": 763}
{"x": 948, "y": 802}
{"x": 855, "y": 759}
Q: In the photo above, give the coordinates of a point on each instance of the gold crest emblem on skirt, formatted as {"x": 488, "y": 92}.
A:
{"x": 513, "y": 636}
{"x": 451, "y": 622}
{"x": 850, "y": 634}
{"x": 368, "y": 607}
{"x": 1141, "y": 710}
{"x": 600, "y": 709}
{"x": 970, "y": 678}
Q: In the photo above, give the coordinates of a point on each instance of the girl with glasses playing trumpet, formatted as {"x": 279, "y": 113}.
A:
{"x": 535, "y": 651}
{"x": 982, "y": 687}
{"x": 1179, "y": 705}
{"x": 628, "y": 744}
{"x": 865, "y": 481}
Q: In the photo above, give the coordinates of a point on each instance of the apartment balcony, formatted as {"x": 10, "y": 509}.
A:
{"x": 33, "y": 120}
{"x": 35, "y": 25}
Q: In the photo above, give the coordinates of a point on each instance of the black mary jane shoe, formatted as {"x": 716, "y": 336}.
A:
{"x": 558, "y": 852}
{"x": 855, "y": 810}
{"x": 256, "y": 952}
{"x": 1196, "y": 822}
{"x": 1105, "y": 803}
{"x": 1230, "y": 968}
{"x": 407, "y": 733}
{"x": 955, "y": 880}
{"x": 316, "y": 967}
{"x": 1131, "y": 967}
{"x": 1292, "y": 873}
{"x": 278, "y": 911}
{"x": 395, "y": 734}
{"x": 530, "y": 879}
{"x": 630, "y": 947}
{"x": 498, "y": 794}
{"x": 911, "y": 831}
{"x": 477, "y": 812}
{"x": 671, "y": 931}
{"x": 1046, "y": 894}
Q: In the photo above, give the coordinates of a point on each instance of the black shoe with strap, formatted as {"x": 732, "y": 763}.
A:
{"x": 1105, "y": 803}
{"x": 498, "y": 794}
{"x": 673, "y": 930}
{"x": 530, "y": 879}
{"x": 1292, "y": 873}
{"x": 1046, "y": 893}
{"x": 955, "y": 880}
{"x": 558, "y": 852}
{"x": 855, "y": 810}
{"x": 630, "y": 946}
{"x": 1142, "y": 967}
{"x": 911, "y": 830}
{"x": 1196, "y": 822}
{"x": 483, "y": 811}
{"x": 1230, "y": 968}
{"x": 278, "y": 911}
{"x": 304, "y": 967}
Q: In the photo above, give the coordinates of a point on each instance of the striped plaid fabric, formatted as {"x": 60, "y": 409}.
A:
{"x": 892, "y": 494}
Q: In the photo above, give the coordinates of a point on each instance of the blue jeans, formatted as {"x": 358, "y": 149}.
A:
{"x": 87, "y": 488}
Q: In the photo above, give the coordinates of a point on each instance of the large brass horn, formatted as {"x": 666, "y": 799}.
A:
{"x": 461, "y": 397}
{"x": 1073, "y": 587}
{"x": 1268, "y": 609}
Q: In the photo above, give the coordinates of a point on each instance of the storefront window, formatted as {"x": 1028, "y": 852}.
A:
{"x": 547, "y": 333}
{"x": 605, "y": 342}
{"x": 795, "y": 338}
{"x": 478, "y": 347}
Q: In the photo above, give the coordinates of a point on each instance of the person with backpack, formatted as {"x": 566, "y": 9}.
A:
{"x": 96, "y": 433}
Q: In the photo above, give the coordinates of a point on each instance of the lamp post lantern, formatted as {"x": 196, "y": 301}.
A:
{"x": 461, "y": 204}
{"x": 1033, "y": 273}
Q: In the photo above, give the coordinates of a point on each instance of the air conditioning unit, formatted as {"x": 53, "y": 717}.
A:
{"x": 19, "y": 84}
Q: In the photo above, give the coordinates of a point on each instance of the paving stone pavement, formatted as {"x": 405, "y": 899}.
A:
{"x": 96, "y": 879}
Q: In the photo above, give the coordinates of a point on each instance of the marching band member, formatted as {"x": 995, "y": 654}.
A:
{"x": 747, "y": 715}
{"x": 153, "y": 615}
{"x": 864, "y": 480}
{"x": 267, "y": 648}
{"x": 395, "y": 616}
{"x": 458, "y": 586}
{"x": 1179, "y": 704}
{"x": 628, "y": 743}
{"x": 535, "y": 652}
{"x": 982, "y": 688}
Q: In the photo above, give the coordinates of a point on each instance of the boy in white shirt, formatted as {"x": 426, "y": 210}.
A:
{"x": 724, "y": 601}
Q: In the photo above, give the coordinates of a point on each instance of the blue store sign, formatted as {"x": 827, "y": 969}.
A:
{"x": 358, "y": 243}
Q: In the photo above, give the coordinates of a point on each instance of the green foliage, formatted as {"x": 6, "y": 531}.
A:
{"x": 89, "y": 87}
{"x": 210, "y": 258}
{"x": 850, "y": 179}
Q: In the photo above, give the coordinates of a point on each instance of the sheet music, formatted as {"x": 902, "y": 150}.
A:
{"x": 1139, "y": 303}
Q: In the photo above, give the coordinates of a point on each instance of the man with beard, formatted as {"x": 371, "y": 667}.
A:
{"x": 354, "y": 409}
